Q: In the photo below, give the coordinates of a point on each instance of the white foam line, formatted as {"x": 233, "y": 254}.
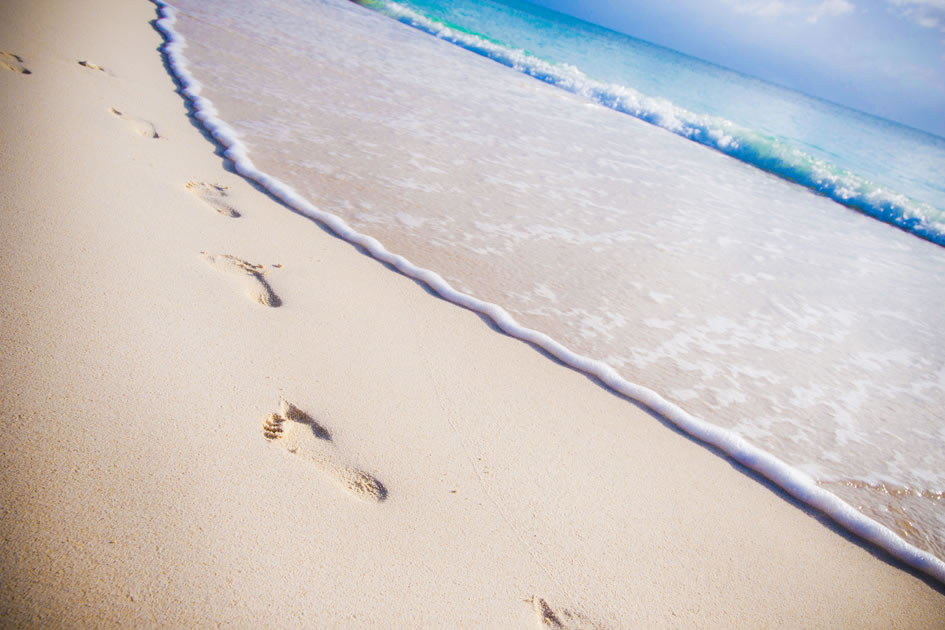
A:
{"x": 793, "y": 481}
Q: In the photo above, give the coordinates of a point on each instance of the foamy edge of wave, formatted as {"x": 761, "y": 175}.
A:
{"x": 793, "y": 481}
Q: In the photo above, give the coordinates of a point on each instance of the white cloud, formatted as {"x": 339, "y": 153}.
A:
{"x": 830, "y": 8}
{"x": 811, "y": 11}
{"x": 925, "y": 13}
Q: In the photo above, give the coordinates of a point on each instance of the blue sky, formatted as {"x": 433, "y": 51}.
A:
{"x": 885, "y": 57}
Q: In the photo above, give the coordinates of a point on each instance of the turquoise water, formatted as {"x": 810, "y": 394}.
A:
{"x": 883, "y": 169}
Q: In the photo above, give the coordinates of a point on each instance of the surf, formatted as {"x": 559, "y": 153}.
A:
{"x": 764, "y": 151}
{"x": 793, "y": 480}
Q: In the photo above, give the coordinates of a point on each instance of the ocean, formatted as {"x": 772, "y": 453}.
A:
{"x": 763, "y": 268}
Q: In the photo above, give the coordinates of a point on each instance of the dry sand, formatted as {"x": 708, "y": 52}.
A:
{"x": 422, "y": 470}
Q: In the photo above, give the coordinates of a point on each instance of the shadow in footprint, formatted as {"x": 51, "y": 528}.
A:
{"x": 564, "y": 618}
{"x": 13, "y": 63}
{"x": 291, "y": 412}
{"x": 91, "y": 66}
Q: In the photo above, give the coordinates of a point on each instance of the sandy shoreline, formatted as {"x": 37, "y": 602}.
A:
{"x": 139, "y": 487}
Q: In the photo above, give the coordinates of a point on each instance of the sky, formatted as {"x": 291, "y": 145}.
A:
{"x": 883, "y": 57}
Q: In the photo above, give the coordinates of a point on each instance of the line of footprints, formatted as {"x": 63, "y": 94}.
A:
{"x": 214, "y": 196}
{"x": 252, "y": 276}
{"x": 291, "y": 427}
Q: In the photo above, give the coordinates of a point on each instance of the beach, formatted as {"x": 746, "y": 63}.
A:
{"x": 247, "y": 421}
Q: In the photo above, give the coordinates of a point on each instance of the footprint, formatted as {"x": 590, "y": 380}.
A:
{"x": 289, "y": 425}
{"x": 213, "y": 195}
{"x": 141, "y": 127}
{"x": 14, "y": 63}
{"x": 256, "y": 286}
{"x": 565, "y": 619}
{"x": 91, "y": 66}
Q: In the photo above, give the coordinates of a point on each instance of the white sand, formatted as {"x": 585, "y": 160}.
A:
{"x": 139, "y": 487}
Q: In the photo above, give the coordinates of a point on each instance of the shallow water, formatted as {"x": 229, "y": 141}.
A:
{"x": 811, "y": 330}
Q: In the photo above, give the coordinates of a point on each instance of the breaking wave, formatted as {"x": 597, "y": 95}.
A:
{"x": 757, "y": 149}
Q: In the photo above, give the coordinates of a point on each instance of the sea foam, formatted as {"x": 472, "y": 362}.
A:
{"x": 792, "y": 480}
